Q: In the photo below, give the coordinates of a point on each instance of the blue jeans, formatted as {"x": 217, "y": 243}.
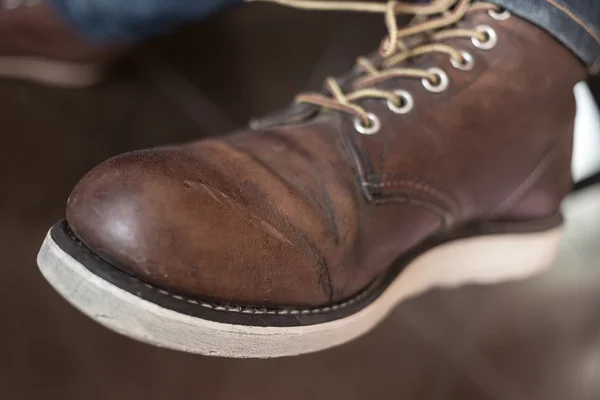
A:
{"x": 133, "y": 20}
{"x": 576, "y": 23}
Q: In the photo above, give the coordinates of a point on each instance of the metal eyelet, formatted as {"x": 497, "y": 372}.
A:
{"x": 442, "y": 81}
{"x": 500, "y": 16}
{"x": 373, "y": 128}
{"x": 492, "y": 38}
{"x": 467, "y": 64}
{"x": 408, "y": 103}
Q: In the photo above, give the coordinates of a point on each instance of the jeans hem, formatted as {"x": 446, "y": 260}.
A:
{"x": 562, "y": 23}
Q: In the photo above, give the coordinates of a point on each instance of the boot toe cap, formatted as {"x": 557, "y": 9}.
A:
{"x": 157, "y": 216}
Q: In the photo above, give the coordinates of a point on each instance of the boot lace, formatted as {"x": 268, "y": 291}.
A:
{"x": 437, "y": 19}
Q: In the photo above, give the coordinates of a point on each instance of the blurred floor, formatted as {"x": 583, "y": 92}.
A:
{"x": 538, "y": 339}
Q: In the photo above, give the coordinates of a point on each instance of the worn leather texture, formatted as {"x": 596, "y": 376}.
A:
{"x": 309, "y": 212}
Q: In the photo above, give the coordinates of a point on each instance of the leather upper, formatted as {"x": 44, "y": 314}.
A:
{"x": 304, "y": 211}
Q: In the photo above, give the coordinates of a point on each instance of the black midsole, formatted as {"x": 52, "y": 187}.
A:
{"x": 280, "y": 317}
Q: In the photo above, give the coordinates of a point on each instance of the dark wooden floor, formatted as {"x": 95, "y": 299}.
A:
{"x": 533, "y": 340}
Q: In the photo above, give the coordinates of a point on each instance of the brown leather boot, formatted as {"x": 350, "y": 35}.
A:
{"x": 440, "y": 162}
{"x": 36, "y": 44}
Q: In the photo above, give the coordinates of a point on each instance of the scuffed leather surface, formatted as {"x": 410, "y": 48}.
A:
{"x": 307, "y": 214}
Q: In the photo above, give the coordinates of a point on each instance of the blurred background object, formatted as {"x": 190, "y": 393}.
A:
{"x": 586, "y": 152}
{"x": 537, "y": 339}
{"x": 586, "y": 147}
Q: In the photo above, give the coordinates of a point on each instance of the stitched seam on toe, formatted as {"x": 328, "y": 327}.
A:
{"x": 235, "y": 308}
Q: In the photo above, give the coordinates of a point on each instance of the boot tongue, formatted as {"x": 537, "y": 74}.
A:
{"x": 420, "y": 39}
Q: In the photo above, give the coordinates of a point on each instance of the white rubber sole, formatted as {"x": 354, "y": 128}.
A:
{"x": 50, "y": 72}
{"x": 480, "y": 260}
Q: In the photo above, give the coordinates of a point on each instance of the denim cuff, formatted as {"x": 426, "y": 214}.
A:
{"x": 566, "y": 23}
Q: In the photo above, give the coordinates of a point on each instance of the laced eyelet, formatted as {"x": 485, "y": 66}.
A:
{"x": 407, "y": 102}
{"x": 373, "y": 128}
{"x": 466, "y": 63}
{"x": 442, "y": 81}
{"x": 500, "y": 16}
{"x": 490, "y": 33}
